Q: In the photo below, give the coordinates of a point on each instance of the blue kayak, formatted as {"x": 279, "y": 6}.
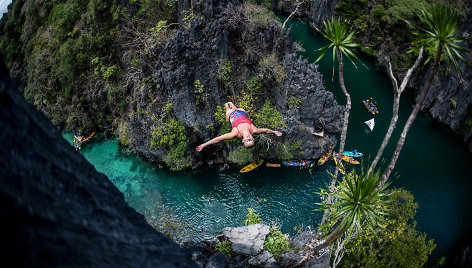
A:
{"x": 296, "y": 163}
{"x": 353, "y": 153}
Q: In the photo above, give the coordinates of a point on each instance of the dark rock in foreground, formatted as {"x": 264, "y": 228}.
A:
{"x": 57, "y": 210}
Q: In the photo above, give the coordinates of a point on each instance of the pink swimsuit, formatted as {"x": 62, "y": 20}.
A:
{"x": 237, "y": 117}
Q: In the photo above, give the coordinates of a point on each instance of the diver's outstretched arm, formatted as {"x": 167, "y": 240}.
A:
{"x": 227, "y": 136}
{"x": 266, "y": 130}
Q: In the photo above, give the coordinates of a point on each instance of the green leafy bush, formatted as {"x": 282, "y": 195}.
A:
{"x": 294, "y": 102}
{"x": 255, "y": 84}
{"x": 269, "y": 117}
{"x": 170, "y": 133}
{"x": 276, "y": 243}
{"x": 224, "y": 73}
{"x": 200, "y": 94}
{"x": 225, "y": 247}
{"x": 252, "y": 217}
{"x": 177, "y": 158}
{"x": 396, "y": 244}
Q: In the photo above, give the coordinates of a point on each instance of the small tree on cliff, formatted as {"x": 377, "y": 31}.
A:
{"x": 341, "y": 41}
{"x": 441, "y": 25}
{"x": 356, "y": 203}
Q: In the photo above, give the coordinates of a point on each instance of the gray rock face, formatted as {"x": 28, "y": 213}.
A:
{"x": 218, "y": 260}
{"x": 316, "y": 10}
{"x": 247, "y": 240}
{"x": 288, "y": 6}
{"x": 230, "y": 33}
{"x": 262, "y": 259}
{"x": 57, "y": 210}
{"x": 321, "y": 10}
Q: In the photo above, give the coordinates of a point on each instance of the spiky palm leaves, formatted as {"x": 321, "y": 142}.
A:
{"x": 356, "y": 202}
{"x": 441, "y": 25}
{"x": 340, "y": 37}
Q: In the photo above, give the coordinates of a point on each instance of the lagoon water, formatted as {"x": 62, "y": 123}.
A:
{"x": 433, "y": 165}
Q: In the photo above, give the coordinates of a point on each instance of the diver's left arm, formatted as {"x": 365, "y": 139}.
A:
{"x": 266, "y": 130}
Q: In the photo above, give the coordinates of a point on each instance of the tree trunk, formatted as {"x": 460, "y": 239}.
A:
{"x": 299, "y": 2}
{"x": 411, "y": 118}
{"x": 331, "y": 238}
{"x": 343, "y": 134}
{"x": 396, "y": 104}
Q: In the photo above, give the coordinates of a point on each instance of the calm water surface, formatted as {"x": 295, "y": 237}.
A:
{"x": 433, "y": 166}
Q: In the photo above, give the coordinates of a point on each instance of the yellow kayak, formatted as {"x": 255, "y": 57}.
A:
{"x": 339, "y": 165}
{"x": 251, "y": 166}
{"x": 350, "y": 159}
{"x": 325, "y": 157}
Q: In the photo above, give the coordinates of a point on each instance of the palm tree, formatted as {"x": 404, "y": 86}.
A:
{"x": 355, "y": 203}
{"x": 341, "y": 41}
{"x": 396, "y": 104}
{"x": 441, "y": 25}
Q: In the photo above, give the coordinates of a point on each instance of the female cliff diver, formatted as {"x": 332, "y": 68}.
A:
{"x": 242, "y": 128}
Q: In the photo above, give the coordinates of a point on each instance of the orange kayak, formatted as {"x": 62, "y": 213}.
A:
{"x": 350, "y": 160}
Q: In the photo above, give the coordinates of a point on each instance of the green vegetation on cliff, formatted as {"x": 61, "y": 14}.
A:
{"x": 396, "y": 244}
{"x": 382, "y": 27}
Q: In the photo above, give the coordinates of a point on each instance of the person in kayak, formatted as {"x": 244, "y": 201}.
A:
{"x": 243, "y": 128}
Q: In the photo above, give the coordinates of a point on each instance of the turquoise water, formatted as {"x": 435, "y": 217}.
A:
{"x": 433, "y": 166}
{"x": 210, "y": 199}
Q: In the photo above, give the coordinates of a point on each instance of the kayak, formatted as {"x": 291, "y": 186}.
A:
{"x": 325, "y": 157}
{"x": 353, "y": 153}
{"x": 272, "y": 165}
{"x": 78, "y": 141}
{"x": 350, "y": 160}
{"x": 251, "y": 166}
{"x": 370, "y": 123}
{"x": 296, "y": 163}
{"x": 371, "y": 106}
{"x": 339, "y": 165}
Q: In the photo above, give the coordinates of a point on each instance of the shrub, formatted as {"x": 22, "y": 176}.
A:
{"x": 224, "y": 73}
{"x": 269, "y": 117}
{"x": 200, "y": 94}
{"x": 255, "y": 84}
{"x": 176, "y": 157}
{"x": 294, "y": 102}
{"x": 397, "y": 244}
{"x": 124, "y": 137}
{"x": 170, "y": 133}
{"x": 252, "y": 217}
{"x": 276, "y": 243}
{"x": 453, "y": 103}
{"x": 225, "y": 247}
{"x": 272, "y": 67}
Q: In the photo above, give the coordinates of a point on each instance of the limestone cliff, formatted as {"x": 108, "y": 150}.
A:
{"x": 159, "y": 82}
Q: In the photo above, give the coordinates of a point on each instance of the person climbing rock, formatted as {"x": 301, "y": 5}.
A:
{"x": 242, "y": 128}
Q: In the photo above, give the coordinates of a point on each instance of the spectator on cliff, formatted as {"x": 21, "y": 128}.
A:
{"x": 242, "y": 128}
